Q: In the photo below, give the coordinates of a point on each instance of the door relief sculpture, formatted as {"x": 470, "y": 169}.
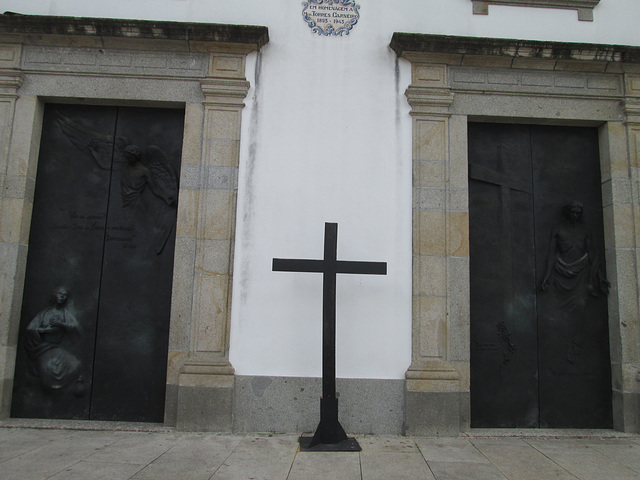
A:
{"x": 103, "y": 226}
{"x": 539, "y": 326}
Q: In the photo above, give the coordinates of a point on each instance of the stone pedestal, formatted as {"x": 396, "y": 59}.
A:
{"x": 205, "y": 397}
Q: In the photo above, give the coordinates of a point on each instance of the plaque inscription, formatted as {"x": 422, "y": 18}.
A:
{"x": 331, "y": 17}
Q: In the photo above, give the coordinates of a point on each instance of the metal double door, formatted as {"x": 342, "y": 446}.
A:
{"x": 539, "y": 326}
{"x": 94, "y": 328}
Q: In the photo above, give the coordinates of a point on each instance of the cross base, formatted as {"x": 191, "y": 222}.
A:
{"x": 329, "y": 436}
{"x": 348, "y": 445}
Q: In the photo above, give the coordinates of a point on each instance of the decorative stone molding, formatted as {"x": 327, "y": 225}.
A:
{"x": 11, "y": 77}
{"x": 224, "y": 92}
{"x": 16, "y": 195}
{"x": 429, "y": 100}
{"x": 632, "y": 104}
{"x": 198, "y": 67}
{"x": 584, "y": 7}
{"x": 431, "y": 377}
{"x": 114, "y": 61}
{"x": 206, "y": 378}
{"x": 455, "y": 79}
{"x": 106, "y": 32}
{"x": 506, "y": 53}
{"x": 10, "y": 82}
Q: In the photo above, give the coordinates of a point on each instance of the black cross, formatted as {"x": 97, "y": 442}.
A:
{"x": 329, "y": 431}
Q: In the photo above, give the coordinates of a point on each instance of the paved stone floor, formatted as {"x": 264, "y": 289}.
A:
{"x": 124, "y": 453}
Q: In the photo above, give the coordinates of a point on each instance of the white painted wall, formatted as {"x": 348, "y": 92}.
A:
{"x": 326, "y": 137}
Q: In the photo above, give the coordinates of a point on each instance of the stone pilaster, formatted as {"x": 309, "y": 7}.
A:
{"x": 440, "y": 256}
{"x": 203, "y": 373}
{"x": 621, "y": 192}
{"x": 16, "y": 197}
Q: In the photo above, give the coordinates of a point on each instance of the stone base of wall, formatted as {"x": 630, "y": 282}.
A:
{"x": 196, "y": 66}
{"x": 436, "y": 413}
{"x": 205, "y": 408}
{"x": 292, "y": 405}
{"x": 626, "y": 411}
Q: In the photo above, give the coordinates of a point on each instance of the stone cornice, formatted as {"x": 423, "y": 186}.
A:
{"x": 454, "y": 50}
{"x": 32, "y": 28}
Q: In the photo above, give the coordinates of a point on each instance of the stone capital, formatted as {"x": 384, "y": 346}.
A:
{"x": 632, "y": 110}
{"x": 429, "y": 101}
{"x": 224, "y": 91}
{"x": 10, "y": 81}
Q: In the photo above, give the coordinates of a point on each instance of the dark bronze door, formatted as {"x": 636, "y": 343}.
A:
{"x": 95, "y": 315}
{"x": 539, "y": 327}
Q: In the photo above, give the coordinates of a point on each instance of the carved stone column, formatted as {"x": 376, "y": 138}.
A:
{"x": 440, "y": 254}
{"x": 205, "y": 241}
{"x": 16, "y": 199}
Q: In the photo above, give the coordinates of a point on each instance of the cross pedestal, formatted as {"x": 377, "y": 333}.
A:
{"x": 329, "y": 436}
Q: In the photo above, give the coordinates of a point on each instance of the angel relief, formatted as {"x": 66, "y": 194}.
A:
{"x": 150, "y": 171}
{"x": 148, "y": 179}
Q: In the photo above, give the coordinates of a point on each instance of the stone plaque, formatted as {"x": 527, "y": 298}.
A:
{"x": 331, "y": 17}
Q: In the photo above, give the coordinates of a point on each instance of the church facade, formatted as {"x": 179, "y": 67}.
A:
{"x": 154, "y": 163}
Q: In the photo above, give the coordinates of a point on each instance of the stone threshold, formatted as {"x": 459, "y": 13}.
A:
{"x": 54, "y": 424}
{"x": 545, "y": 433}
{"x": 96, "y": 425}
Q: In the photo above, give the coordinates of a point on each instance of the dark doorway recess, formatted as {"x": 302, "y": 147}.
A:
{"x": 94, "y": 327}
{"x": 539, "y": 326}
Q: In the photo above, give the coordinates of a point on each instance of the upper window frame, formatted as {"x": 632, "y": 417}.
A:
{"x": 584, "y": 7}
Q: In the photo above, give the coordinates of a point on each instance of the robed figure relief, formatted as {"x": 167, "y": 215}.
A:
{"x": 539, "y": 325}
{"x": 49, "y": 333}
{"x": 574, "y": 273}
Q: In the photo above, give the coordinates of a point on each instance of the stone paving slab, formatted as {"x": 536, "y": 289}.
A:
{"x": 449, "y": 450}
{"x": 259, "y": 458}
{"x": 519, "y": 461}
{"x": 196, "y": 457}
{"x": 396, "y": 466}
{"x": 101, "y": 471}
{"x": 329, "y": 465}
{"x": 465, "y": 470}
{"x": 132, "y": 454}
{"x": 623, "y": 451}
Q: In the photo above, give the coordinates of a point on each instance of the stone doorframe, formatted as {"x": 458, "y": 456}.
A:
{"x": 456, "y": 80}
{"x": 196, "y": 67}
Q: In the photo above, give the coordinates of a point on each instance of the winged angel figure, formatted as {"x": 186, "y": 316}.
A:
{"x": 149, "y": 169}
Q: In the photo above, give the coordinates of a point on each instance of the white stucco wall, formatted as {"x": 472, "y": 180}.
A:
{"x": 326, "y": 137}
